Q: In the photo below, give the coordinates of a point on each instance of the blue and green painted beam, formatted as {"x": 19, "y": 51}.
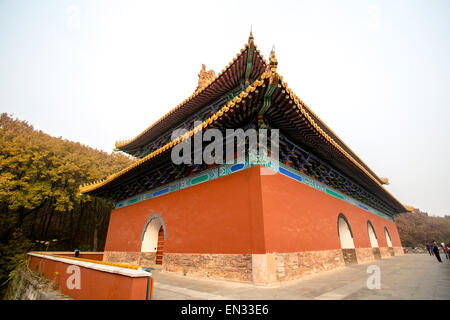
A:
{"x": 227, "y": 169}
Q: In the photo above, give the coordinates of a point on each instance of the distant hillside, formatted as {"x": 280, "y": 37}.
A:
{"x": 418, "y": 228}
{"x": 39, "y": 206}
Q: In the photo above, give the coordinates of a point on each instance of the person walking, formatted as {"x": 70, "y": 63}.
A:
{"x": 448, "y": 250}
{"x": 429, "y": 249}
{"x": 445, "y": 250}
{"x": 77, "y": 252}
{"x": 432, "y": 249}
{"x": 436, "y": 251}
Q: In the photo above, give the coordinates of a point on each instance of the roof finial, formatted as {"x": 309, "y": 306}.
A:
{"x": 273, "y": 62}
{"x": 272, "y": 69}
{"x": 250, "y": 39}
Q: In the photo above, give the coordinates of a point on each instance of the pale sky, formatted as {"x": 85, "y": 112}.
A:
{"x": 376, "y": 72}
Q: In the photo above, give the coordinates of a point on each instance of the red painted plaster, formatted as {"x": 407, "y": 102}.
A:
{"x": 243, "y": 213}
{"x": 219, "y": 216}
{"x": 300, "y": 218}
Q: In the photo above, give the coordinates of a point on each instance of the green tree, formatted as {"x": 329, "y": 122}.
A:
{"x": 416, "y": 229}
{"x": 39, "y": 204}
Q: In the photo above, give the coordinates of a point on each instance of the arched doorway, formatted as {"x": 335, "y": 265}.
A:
{"x": 372, "y": 235}
{"x": 345, "y": 233}
{"x": 153, "y": 237}
{"x": 388, "y": 237}
{"x": 389, "y": 242}
{"x": 373, "y": 240}
{"x": 346, "y": 238}
{"x": 160, "y": 247}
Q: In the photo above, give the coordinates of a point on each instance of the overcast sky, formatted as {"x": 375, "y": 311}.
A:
{"x": 376, "y": 72}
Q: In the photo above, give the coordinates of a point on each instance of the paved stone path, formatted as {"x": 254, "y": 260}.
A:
{"x": 413, "y": 276}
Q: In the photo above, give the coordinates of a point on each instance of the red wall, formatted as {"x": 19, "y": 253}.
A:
{"x": 95, "y": 284}
{"x": 300, "y": 218}
{"x": 219, "y": 216}
{"x": 246, "y": 213}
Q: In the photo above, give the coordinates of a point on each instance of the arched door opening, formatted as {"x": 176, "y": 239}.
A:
{"x": 388, "y": 240}
{"x": 373, "y": 240}
{"x": 372, "y": 235}
{"x": 346, "y": 237}
{"x": 160, "y": 247}
{"x": 153, "y": 237}
{"x": 345, "y": 233}
{"x": 388, "y": 237}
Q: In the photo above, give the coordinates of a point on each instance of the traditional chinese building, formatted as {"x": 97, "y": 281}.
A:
{"x": 322, "y": 208}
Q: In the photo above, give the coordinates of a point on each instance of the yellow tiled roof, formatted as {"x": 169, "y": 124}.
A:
{"x": 305, "y": 111}
{"x": 120, "y": 144}
{"x": 96, "y": 184}
{"x": 302, "y": 107}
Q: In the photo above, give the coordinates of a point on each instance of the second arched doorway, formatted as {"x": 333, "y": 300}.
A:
{"x": 373, "y": 240}
{"x": 389, "y": 242}
{"x": 346, "y": 238}
{"x": 153, "y": 237}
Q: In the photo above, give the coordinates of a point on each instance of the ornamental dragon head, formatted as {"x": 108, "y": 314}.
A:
{"x": 205, "y": 77}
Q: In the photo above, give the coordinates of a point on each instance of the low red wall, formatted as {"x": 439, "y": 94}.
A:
{"x": 95, "y": 284}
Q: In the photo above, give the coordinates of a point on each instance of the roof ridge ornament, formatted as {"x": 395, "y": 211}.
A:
{"x": 205, "y": 78}
{"x": 273, "y": 62}
{"x": 251, "y": 42}
{"x": 251, "y": 49}
{"x": 272, "y": 68}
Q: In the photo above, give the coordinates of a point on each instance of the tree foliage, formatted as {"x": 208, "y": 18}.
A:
{"x": 39, "y": 205}
{"x": 417, "y": 229}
